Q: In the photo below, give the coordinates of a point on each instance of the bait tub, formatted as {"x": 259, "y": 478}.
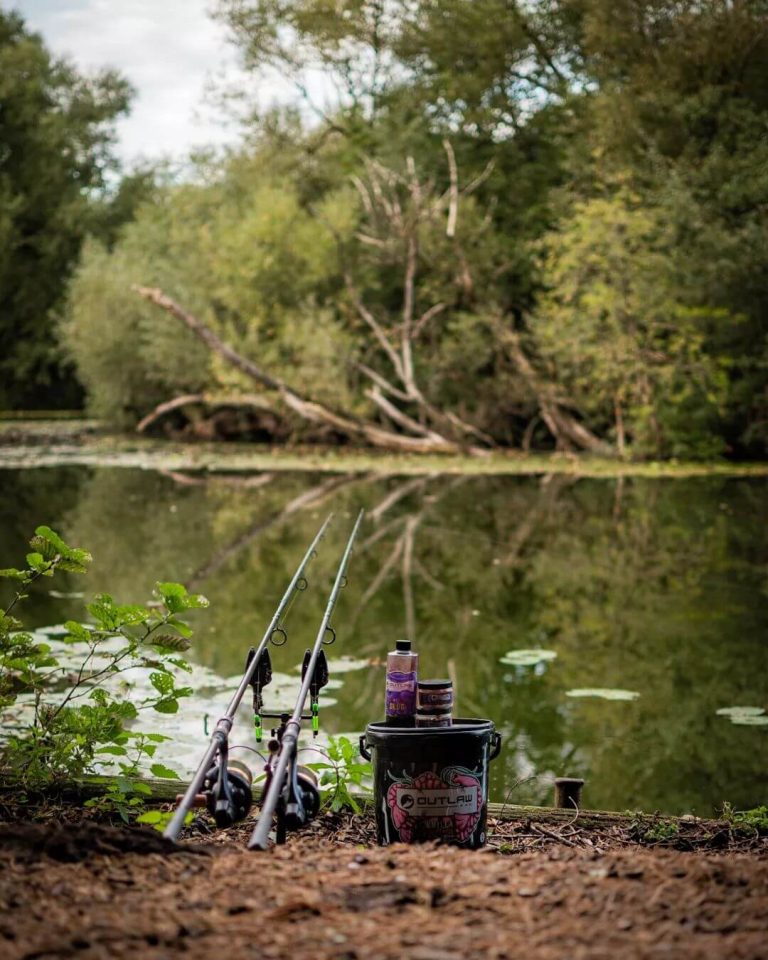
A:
{"x": 431, "y": 783}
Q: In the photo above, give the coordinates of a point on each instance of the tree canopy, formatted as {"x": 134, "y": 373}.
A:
{"x": 56, "y": 139}
{"x": 536, "y": 225}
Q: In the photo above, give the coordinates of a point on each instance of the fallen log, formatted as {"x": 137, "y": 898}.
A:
{"x": 166, "y": 792}
{"x": 569, "y": 433}
{"x": 178, "y": 403}
{"x": 305, "y": 407}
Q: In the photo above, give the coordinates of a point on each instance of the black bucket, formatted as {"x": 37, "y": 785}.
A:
{"x": 431, "y": 783}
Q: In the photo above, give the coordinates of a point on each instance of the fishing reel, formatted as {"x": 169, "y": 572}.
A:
{"x": 302, "y": 801}
{"x": 299, "y": 800}
{"x": 227, "y": 787}
{"x": 227, "y": 784}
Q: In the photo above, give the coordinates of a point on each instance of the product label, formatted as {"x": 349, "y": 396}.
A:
{"x": 401, "y": 694}
{"x": 435, "y": 698}
{"x": 433, "y": 719}
{"x": 435, "y": 803}
{"x": 432, "y": 806}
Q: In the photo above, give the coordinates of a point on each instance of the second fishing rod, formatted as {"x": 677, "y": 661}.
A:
{"x": 288, "y": 792}
{"x": 227, "y": 789}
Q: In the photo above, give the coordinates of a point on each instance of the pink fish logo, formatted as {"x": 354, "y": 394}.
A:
{"x": 433, "y": 806}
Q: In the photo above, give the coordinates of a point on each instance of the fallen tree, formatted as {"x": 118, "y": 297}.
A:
{"x": 405, "y": 219}
{"x": 424, "y": 441}
{"x": 569, "y": 433}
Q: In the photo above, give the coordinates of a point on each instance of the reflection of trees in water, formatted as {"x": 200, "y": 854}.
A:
{"x": 656, "y": 587}
{"x": 650, "y": 587}
{"x": 314, "y": 497}
{"x": 30, "y": 498}
{"x": 658, "y": 597}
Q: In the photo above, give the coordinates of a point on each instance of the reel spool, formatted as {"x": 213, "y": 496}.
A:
{"x": 303, "y": 801}
{"x": 228, "y": 792}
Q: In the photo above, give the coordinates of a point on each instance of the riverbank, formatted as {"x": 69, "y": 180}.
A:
{"x": 94, "y": 891}
{"x": 52, "y": 443}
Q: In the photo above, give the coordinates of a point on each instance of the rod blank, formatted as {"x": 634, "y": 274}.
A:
{"x": 224, "y": 725}
{"x": 287, "y": 751}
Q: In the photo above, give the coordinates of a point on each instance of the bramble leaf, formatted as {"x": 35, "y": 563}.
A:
{"x": 162, "y": 682}
{"x": 151, "y": 816}
{"x": 165, "y": 773}
{"x": 169, "y": 642}
{"x": 176, "y": 599}
{"x": 167, "y": 705}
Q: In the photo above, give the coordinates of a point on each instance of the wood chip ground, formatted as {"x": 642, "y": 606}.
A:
{"x": 538, "y": 891}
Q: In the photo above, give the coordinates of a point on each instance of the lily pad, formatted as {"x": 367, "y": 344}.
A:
{"x": 527, "y": 658}
{"x": 603, "y": 693}
{"x": 750, "y": 720}
{"x": 735, "y": 712}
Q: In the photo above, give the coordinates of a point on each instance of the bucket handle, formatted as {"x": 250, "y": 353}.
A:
{"x": 495, "y": 746}
{"x": 364, "y": 748}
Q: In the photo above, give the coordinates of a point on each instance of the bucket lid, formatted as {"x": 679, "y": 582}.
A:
{"x": 381, "y": 730}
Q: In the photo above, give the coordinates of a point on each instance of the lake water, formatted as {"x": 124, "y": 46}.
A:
{"x": 656, "y": 587}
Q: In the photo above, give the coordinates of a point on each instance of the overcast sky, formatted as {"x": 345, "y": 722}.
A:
{"x": 170, "y": 50}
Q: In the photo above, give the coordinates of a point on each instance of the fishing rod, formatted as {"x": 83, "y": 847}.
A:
{"x": 227, "y": 783}
{"x": 291, "y": 791}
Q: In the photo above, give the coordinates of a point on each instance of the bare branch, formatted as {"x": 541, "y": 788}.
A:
{"x": 372, "y": 241}
{"x": 375, "y": 327}
{"x": 382, "y": 382}
{"x": 428, "y": 315}
{"x": 398, "y": 494}
{"x": 568, "y": 432}
{"x": 479, "y": 179}
{"x": 399, "y": 417}
{"x": 210, "y": 339}
{"x": 304, "y": 407}
{"x": 408, "y": 298}
{"x": 426, "y": 575}
{"x": 408, "y": 599}
{"x": 364, "y": 195}
{"x": 453, "y": 208}
{"x": 380, "y": 577}
{"x": 537, "y": 42}
{"x": 304, "y": 501}
{"x": 162, "y": 408}
{"x": 169, "y": 406}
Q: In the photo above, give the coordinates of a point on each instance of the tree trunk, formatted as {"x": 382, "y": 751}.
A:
{"x": 305, "y": 407}
{"x": 569, "y": 432}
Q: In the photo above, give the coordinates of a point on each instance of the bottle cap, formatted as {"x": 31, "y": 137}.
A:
{"x": 403, "y": 645}
{"x": 435, "y": 684}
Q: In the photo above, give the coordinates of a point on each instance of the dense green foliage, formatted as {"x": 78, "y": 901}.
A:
{"x": 62, "y": 709}
{"x": 56, "y": 137}
{"x": 556, "y": 211}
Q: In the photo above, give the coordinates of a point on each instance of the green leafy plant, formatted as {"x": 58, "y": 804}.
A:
{"x": 63, "y": 704}
{"x": 159, "y": 819}
{"x": 755, "y": 819}
{"x": 343, "y": 772}
{"x": 661, "y": 831}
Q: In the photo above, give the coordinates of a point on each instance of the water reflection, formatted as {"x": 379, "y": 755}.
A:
{"x": 654, "y": 586}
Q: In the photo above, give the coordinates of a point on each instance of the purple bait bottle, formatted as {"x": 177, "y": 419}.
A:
{"x": 402, "y": 675}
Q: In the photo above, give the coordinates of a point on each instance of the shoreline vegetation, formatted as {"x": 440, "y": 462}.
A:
{"x": 29, "y": 443}
{"x": 744, "y": 829}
